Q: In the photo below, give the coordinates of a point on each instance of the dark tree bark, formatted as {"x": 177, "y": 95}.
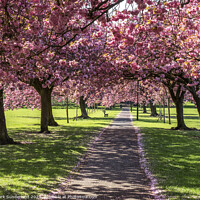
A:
{"x": 67, "y": 109}
{"x": 45, "y": 101}
{"x": 196, "y": 98}
{"x": 180, "y": 117}
{"x": 84, "y": 114}
{"x": 51, "y": 122}
{"x": 192, "y": 89}
{"x": 197, "y": 101}
{"x": 4, "y": 138}
{"x": 153, "y": 109}
{"x": 164, "y": 109}
{"x": 138, "y": 100}
{"x": 144, "y": 107}
{"x": 178, "y": 98}
{"x": 76, "y": 112}
{"x": 168, "y": 105}
{"x": 46, "y": 107}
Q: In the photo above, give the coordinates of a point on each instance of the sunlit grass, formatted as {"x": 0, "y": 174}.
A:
{"x": 43, "y": 161}
{"x": 173, "y": 155}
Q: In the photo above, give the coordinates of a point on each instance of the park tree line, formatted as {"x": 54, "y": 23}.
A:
{"x": 91, "y": 50}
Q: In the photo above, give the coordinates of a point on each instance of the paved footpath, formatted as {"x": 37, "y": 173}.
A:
{"x": 112, "y": 170}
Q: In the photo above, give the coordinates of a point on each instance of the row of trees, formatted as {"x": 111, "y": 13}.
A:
{"x": 91, "y": 51}
{"x": 40, "y": 43}
{"x": 164, "y": 48}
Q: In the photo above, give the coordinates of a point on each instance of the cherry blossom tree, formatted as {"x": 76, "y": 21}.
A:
{"x": 44, "y": 30}
{"x": 40, "y": 41}
{"x": 161, "y": 44}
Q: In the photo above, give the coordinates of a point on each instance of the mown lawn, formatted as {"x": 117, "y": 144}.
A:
{"x": 174, "y": 156}
{"x": 42, "y": 161}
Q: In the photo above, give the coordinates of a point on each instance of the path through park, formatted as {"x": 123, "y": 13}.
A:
{"x": 112, "y": 170}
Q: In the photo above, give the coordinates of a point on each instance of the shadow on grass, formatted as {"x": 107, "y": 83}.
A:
{"x": 31, "y": 117}
{"x": 189, "y": 106}
{"x": 190, "y": 114}
{"x": 42, "y": 161}
{"x": 155, "y": 119}
{"x": 190, "y": 117}
{"x": 101, "y": 118}
{"x": 175, "y": 160}
{"x": 149, "y": 120}
{"x": 38, "y": 165}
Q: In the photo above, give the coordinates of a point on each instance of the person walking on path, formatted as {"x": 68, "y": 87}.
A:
{"x": 112, "y": 170}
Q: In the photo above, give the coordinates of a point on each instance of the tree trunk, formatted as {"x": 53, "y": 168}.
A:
{"x": 153, "y": 109}
{"x": 45, "y": 105}
{"x": 67, "y": 109}
{"x": 83, "y": 108}
{"x": 178, "y": 98}
{"x": 137, "y": 100}
{"x": 195, "y": 97}
{"x": 197, "y": 101}
{"x": 164, "y": 109}
{"x": 179, "y": 115}
{"x": 131, "y": 106}
{"x": 144, "y": 107}
{"x": 76, "y": 112}
{"x": 169, "y": 116}
{"x": 4, "y": 138}
{"x": 51, "y": 122}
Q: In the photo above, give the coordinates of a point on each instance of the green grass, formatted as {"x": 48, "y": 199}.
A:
{"x": 42, "y": 161}
{"x": 174, "y": 156}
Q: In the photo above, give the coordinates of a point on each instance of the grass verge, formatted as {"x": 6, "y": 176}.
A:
{"x": 173, "y": 155}
{"x": 37, "y": 166}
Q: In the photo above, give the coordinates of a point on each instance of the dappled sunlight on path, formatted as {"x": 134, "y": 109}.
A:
{"x": 112, "y": 170}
